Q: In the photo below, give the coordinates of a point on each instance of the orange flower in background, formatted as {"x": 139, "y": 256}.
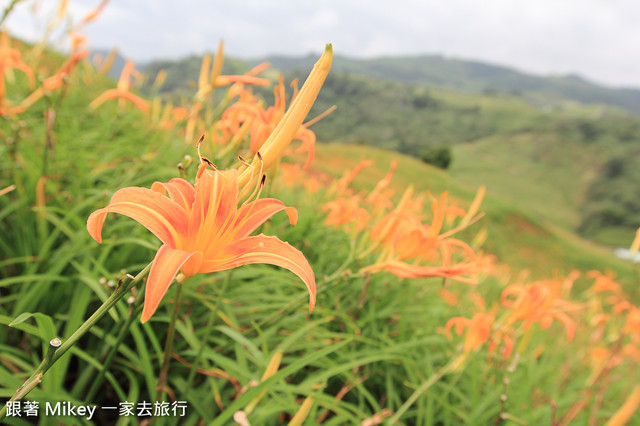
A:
{"x": 286, "y": 129}
{"x": 604, "y": 282}
{"x": 632, "y": 323}
{"x": 541, "y": 302}
{"x": 122, "y": 90}
{"x": 53, "y": 82}
{"x": 263, "y": 121}
{"x": 380, "y": 197}
{"x": 478, "y": 329}
{"x": 10, "y": 59}
{"x": 292, "y": 175}
{"x": 344, "y": 211}
{"x": 341, "y": 187}
{"x": 404, "y": 237}
{"x": 203, "y": 230}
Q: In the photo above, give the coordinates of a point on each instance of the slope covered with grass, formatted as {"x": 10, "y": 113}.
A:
{"x": 572, "y": 163}
{"x": 413, "y": 324}
{"x": 517, "y": 235}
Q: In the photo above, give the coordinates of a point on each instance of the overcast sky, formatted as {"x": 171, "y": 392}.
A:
{"x": 597, "y": 39}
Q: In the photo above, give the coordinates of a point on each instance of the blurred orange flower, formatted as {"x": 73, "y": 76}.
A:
{"x": 345, "y": 211}
{"x": 122, "y": 90}
{"x": 10, "y": 59}
{"x": 478, "y": 329}
{"x": 203, "y": 230}
{"x": 404, "y": 237}
{"x": 541, "y": 302}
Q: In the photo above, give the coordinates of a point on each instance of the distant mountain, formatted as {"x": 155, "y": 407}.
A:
{"x": 577, "y": 165}
{"x": 438, "y": 72}
{"x": 118, "y": 62}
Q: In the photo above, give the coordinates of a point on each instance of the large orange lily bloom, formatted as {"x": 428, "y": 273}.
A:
{"x": 203, "y": 230}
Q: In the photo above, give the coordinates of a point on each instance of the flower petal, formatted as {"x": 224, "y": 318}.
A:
{"x": 166, "y": 265}
{"x": 406, "y": 270}
{"x": 180, "y": 191}
{"x": 163, "y": 217}
{"x": 257, "y": 212}
{"x": 216, "y": 198}
{"x": 270, "y": 250}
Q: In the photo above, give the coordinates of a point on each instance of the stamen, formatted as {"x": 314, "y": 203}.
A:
{"x": 243, "y": 161}
{"x": 206, "y": 160}
{"x": 257, "y": 190}
{"x": 198, "y": 146}
{"x": 253, "y": 173}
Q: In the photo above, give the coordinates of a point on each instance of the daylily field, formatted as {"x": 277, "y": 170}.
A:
{"x": 192, "y": 263}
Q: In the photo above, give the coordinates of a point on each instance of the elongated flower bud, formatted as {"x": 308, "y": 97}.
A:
{"x": 286, "y": 129}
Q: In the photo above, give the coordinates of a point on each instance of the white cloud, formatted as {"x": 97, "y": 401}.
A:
{"x": 596, "y": 38}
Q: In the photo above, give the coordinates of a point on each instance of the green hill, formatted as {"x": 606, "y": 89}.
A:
{"x": 245, "y": 343}
{"x": 552, "y": 158}
{"x": 517, "y": 235}
{"x": 439, "y": 72}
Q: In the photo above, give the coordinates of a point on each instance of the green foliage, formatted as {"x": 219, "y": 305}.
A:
{"x": 531, "y": 128}
{"x": 373, "y": 340}
{"x": 182, "y": 75}
{"x": 613, "y": 197}
{"x": 517, "y": 235}
{"x": 438, "y": 156}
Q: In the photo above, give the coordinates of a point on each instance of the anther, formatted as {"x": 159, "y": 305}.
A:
{"x": 263, "y": 180}
{"x": 200, "y": 141}
{"x": 209, "y": 163}
{"x": 243, "y": 161}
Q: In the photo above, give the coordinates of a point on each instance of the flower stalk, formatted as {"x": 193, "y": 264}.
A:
{"x": 123, "y": 330}
{"x": 57, "y": 350}
{"x": 168, "y": 347}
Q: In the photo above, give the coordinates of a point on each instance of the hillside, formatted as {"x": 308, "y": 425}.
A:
{"x": 239, "y": 300}
{"x": 553, "y": 162}
{"x": 439, "y": 72}
{"x": 556, "y": 159}
{"x": 516, "y": 236}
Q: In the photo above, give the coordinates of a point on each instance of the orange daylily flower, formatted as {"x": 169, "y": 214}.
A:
{"x": 286, "y": 129}
{"x": 94, "y": 13}
{"x": 109, "y": 94}
{"x": 478, "y": 329}
{"x": 344, "y": 211}
{"x": 54, "y": 82}
{"x": 264, "y": 121}
{"x": 404, "y": 237}
{"x": 9, "y": 59}
{"x": 203, "y": 230}
{"x": 342, "y": 185}
{"x": 122, "y": 90}
{"x": 632, "y": 324}
{"x": 539, "y": 302}
{"x": 604, "y": 282}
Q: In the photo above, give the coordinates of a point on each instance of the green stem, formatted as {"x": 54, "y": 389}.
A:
{"x": 8, "y": 9}
{"x": 422, "y": 389}
{"x": 168, "y": 346}
{"x": 54, "y": 354}
{"x": 124, "y": 329}
{"x": 210, "y": 321}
